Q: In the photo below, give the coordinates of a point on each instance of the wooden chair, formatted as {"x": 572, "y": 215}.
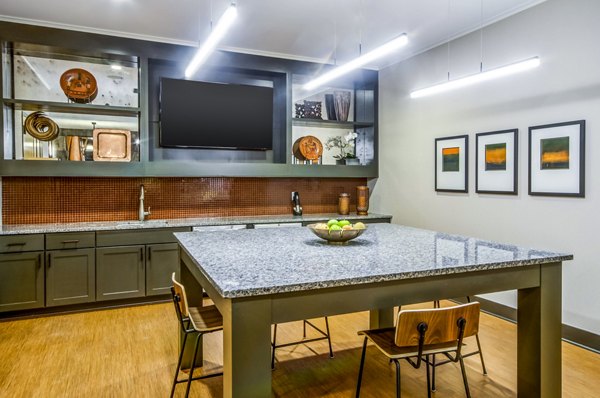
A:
{"x": 325, "y": 335}
{"x": 200, "y": 320}
{"x": 421, "y": 333}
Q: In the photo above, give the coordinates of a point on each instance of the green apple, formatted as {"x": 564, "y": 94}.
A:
{"x": 335, "y": 227}
{"x": 343, "y": 223}
{"x": 332, "y": 222}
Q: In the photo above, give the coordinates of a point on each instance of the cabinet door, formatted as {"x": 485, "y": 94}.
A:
{"x": 161, "y": 261}
{"x": 70, "y": 277}
{"x": 21, "y": 281}
{"x": 120, "y": 272}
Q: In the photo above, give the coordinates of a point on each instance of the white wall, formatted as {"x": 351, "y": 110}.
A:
{"x": 565, "y": 34}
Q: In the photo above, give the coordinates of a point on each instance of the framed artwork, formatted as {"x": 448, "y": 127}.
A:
{"x": 496, "y": 160}
{"x": 450, "y": 251}
{"x": 557, "y": 159}
{"x": 451, "y": 166}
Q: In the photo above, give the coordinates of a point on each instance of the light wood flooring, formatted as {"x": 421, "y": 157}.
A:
{"x": 132, "y": 352}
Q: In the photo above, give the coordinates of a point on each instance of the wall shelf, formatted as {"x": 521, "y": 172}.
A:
{"x": 330, "y": 124}
{"x": 70, "y": 107}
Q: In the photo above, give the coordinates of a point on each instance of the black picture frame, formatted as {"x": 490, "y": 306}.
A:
{"x": 466, "y": 163}
{"x": 515, "y": 176}
{"x": 580, "y": 193}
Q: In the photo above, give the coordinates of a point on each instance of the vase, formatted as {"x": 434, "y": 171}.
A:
{"x": 362, "y": 200}
{"x": 341, "y": 101}
{"x": 330, "y": 107}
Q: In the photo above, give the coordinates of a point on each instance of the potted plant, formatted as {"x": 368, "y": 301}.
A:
{"x": 346, "y": 146}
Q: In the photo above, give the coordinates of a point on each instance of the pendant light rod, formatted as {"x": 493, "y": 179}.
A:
{"x": 356, "y": 63}
{"x": 213, "y": 39}
{"x": 478, "y": 78}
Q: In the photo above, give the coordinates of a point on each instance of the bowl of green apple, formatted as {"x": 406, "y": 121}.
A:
{"x": 338, "y": 232}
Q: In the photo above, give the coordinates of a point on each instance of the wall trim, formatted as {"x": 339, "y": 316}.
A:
{"x": 579, "y": 337}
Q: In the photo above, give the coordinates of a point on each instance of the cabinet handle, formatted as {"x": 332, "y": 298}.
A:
{"x": 39, "y": 260}
{"x": 141, "y": 254}
{"x": 70, "y": 241}
{"x": 49, "y": 260}
{"x": 149, "y": 253}
{"x": 16, "y": 244}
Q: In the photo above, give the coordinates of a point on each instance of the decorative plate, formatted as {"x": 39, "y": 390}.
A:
{"x": 79, "y": 85}
{"x": 308, "y": 148}
{"x": 112, "y": 145}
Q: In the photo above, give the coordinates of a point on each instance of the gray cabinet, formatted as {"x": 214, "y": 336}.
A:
{"x": 70, "y": 277}
{"x": 21, "y": 281}
{"x": 161, "y": 261}
{"x": 120, "y": 272}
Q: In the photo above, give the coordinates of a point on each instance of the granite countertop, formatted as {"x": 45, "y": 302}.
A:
{"x": 19, "y": 229}
{"x": 246, "y": 263}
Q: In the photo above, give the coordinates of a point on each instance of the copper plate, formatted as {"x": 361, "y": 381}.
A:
{"x": 112, "y": 145}
{"x": 308, "y": 148}
{"x": 79, "y": 85}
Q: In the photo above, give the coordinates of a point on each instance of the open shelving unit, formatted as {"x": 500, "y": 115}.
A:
{"x": 148, "y": 62}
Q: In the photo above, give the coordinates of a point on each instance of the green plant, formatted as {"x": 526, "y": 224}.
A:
{"x": 344, "y": 143}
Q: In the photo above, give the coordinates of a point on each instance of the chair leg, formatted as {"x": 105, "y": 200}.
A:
{"x": 464, "y": 375}
{"x": 360, "y": 369}
{"x": 480, "y": 355}
{"x": 328, "y": 337}
{"x": 178, "y": 365}
{"x": 436, "y": 304}
{"x": 304, "y": 328}
{"x": 397, "y": 378}
{"x": 274, "y": 344}
{"x": 189, "y": 383}
{"x": 433, "y": 373}
{"x": 428, "y": 380}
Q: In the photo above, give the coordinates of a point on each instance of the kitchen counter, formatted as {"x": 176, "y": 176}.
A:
{"x": 18, "y": 229}
{"x": 260, "y": 262}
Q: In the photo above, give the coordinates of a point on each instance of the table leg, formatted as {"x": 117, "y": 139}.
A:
{"x": 381, "y": 318}
{"x": 539, "y": 336}
{"x": 247, "y": 349}
{"x": 194, "y": 294}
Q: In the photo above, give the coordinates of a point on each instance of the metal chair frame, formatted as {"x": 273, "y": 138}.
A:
{"x": 422, "y": 329}
{"x": 325, "y": 335}
{"x": 187, "y": 329}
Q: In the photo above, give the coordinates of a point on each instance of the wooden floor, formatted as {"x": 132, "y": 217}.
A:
{"x": 132, "y": 352}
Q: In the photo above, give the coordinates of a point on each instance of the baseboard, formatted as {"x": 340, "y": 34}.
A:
{"x": 579, "y": 337}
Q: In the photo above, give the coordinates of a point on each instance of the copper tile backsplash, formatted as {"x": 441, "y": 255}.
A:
{"x": 35, "y": 200}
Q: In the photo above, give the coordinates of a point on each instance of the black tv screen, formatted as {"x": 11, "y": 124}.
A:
{"x": 214, "y": 115}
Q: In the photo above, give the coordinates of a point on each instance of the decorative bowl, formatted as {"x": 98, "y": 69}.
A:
{"x": 336, "y": 237}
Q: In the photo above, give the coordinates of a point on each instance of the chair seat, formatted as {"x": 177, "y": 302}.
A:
{"x": 384, "y": 340}
{"x": 206, "y": 319}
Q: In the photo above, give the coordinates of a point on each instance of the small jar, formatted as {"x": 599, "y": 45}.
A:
{"x": 362, "y": 200}
{"x": 344, "y": 204}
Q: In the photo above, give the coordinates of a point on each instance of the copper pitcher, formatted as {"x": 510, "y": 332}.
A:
{"x": 76, "y": 147}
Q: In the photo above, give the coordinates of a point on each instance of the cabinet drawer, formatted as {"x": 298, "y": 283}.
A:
{"x": 21, "y": 243}
{"x": 137, "y": 237}
{"x": 70, "y": 240}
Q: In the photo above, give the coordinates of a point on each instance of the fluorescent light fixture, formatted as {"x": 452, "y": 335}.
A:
{"x": 116, "y": 67}
{"x": 379, "y": 52}
{"x": 478, "y": 78}
{"x": 209, "y": 45}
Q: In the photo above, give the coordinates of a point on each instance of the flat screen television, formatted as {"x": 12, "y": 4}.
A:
{"x": 196, "y": 114}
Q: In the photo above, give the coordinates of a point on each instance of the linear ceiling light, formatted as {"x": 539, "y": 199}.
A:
{"x": 215, "y": 36}
{"x": 478, "y": 78}
{"x": 379, "y": 52}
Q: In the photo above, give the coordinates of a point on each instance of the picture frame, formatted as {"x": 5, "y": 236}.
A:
{"x": 451, "y": 164}
{"x": 497, "y": 162}
{"x": 557, "y": 159}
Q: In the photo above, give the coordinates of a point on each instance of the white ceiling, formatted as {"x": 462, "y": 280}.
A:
{"x": 299, "y": 29}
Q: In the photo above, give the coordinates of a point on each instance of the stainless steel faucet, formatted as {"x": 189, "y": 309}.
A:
{"x": 297, "y": 209}
{"x": 142, "y": 214}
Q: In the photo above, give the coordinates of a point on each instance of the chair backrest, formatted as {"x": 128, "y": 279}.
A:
{"x": 442, "y": 324}
{"x": 179, "y": 290}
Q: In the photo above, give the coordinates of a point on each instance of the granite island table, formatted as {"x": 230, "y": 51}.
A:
{"x": 260, "y": 277}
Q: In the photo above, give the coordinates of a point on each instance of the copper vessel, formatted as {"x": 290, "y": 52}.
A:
{"x": 362, "y": 200}
{"x": 76, "y": 147}
{"x": 344, "y": 204}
